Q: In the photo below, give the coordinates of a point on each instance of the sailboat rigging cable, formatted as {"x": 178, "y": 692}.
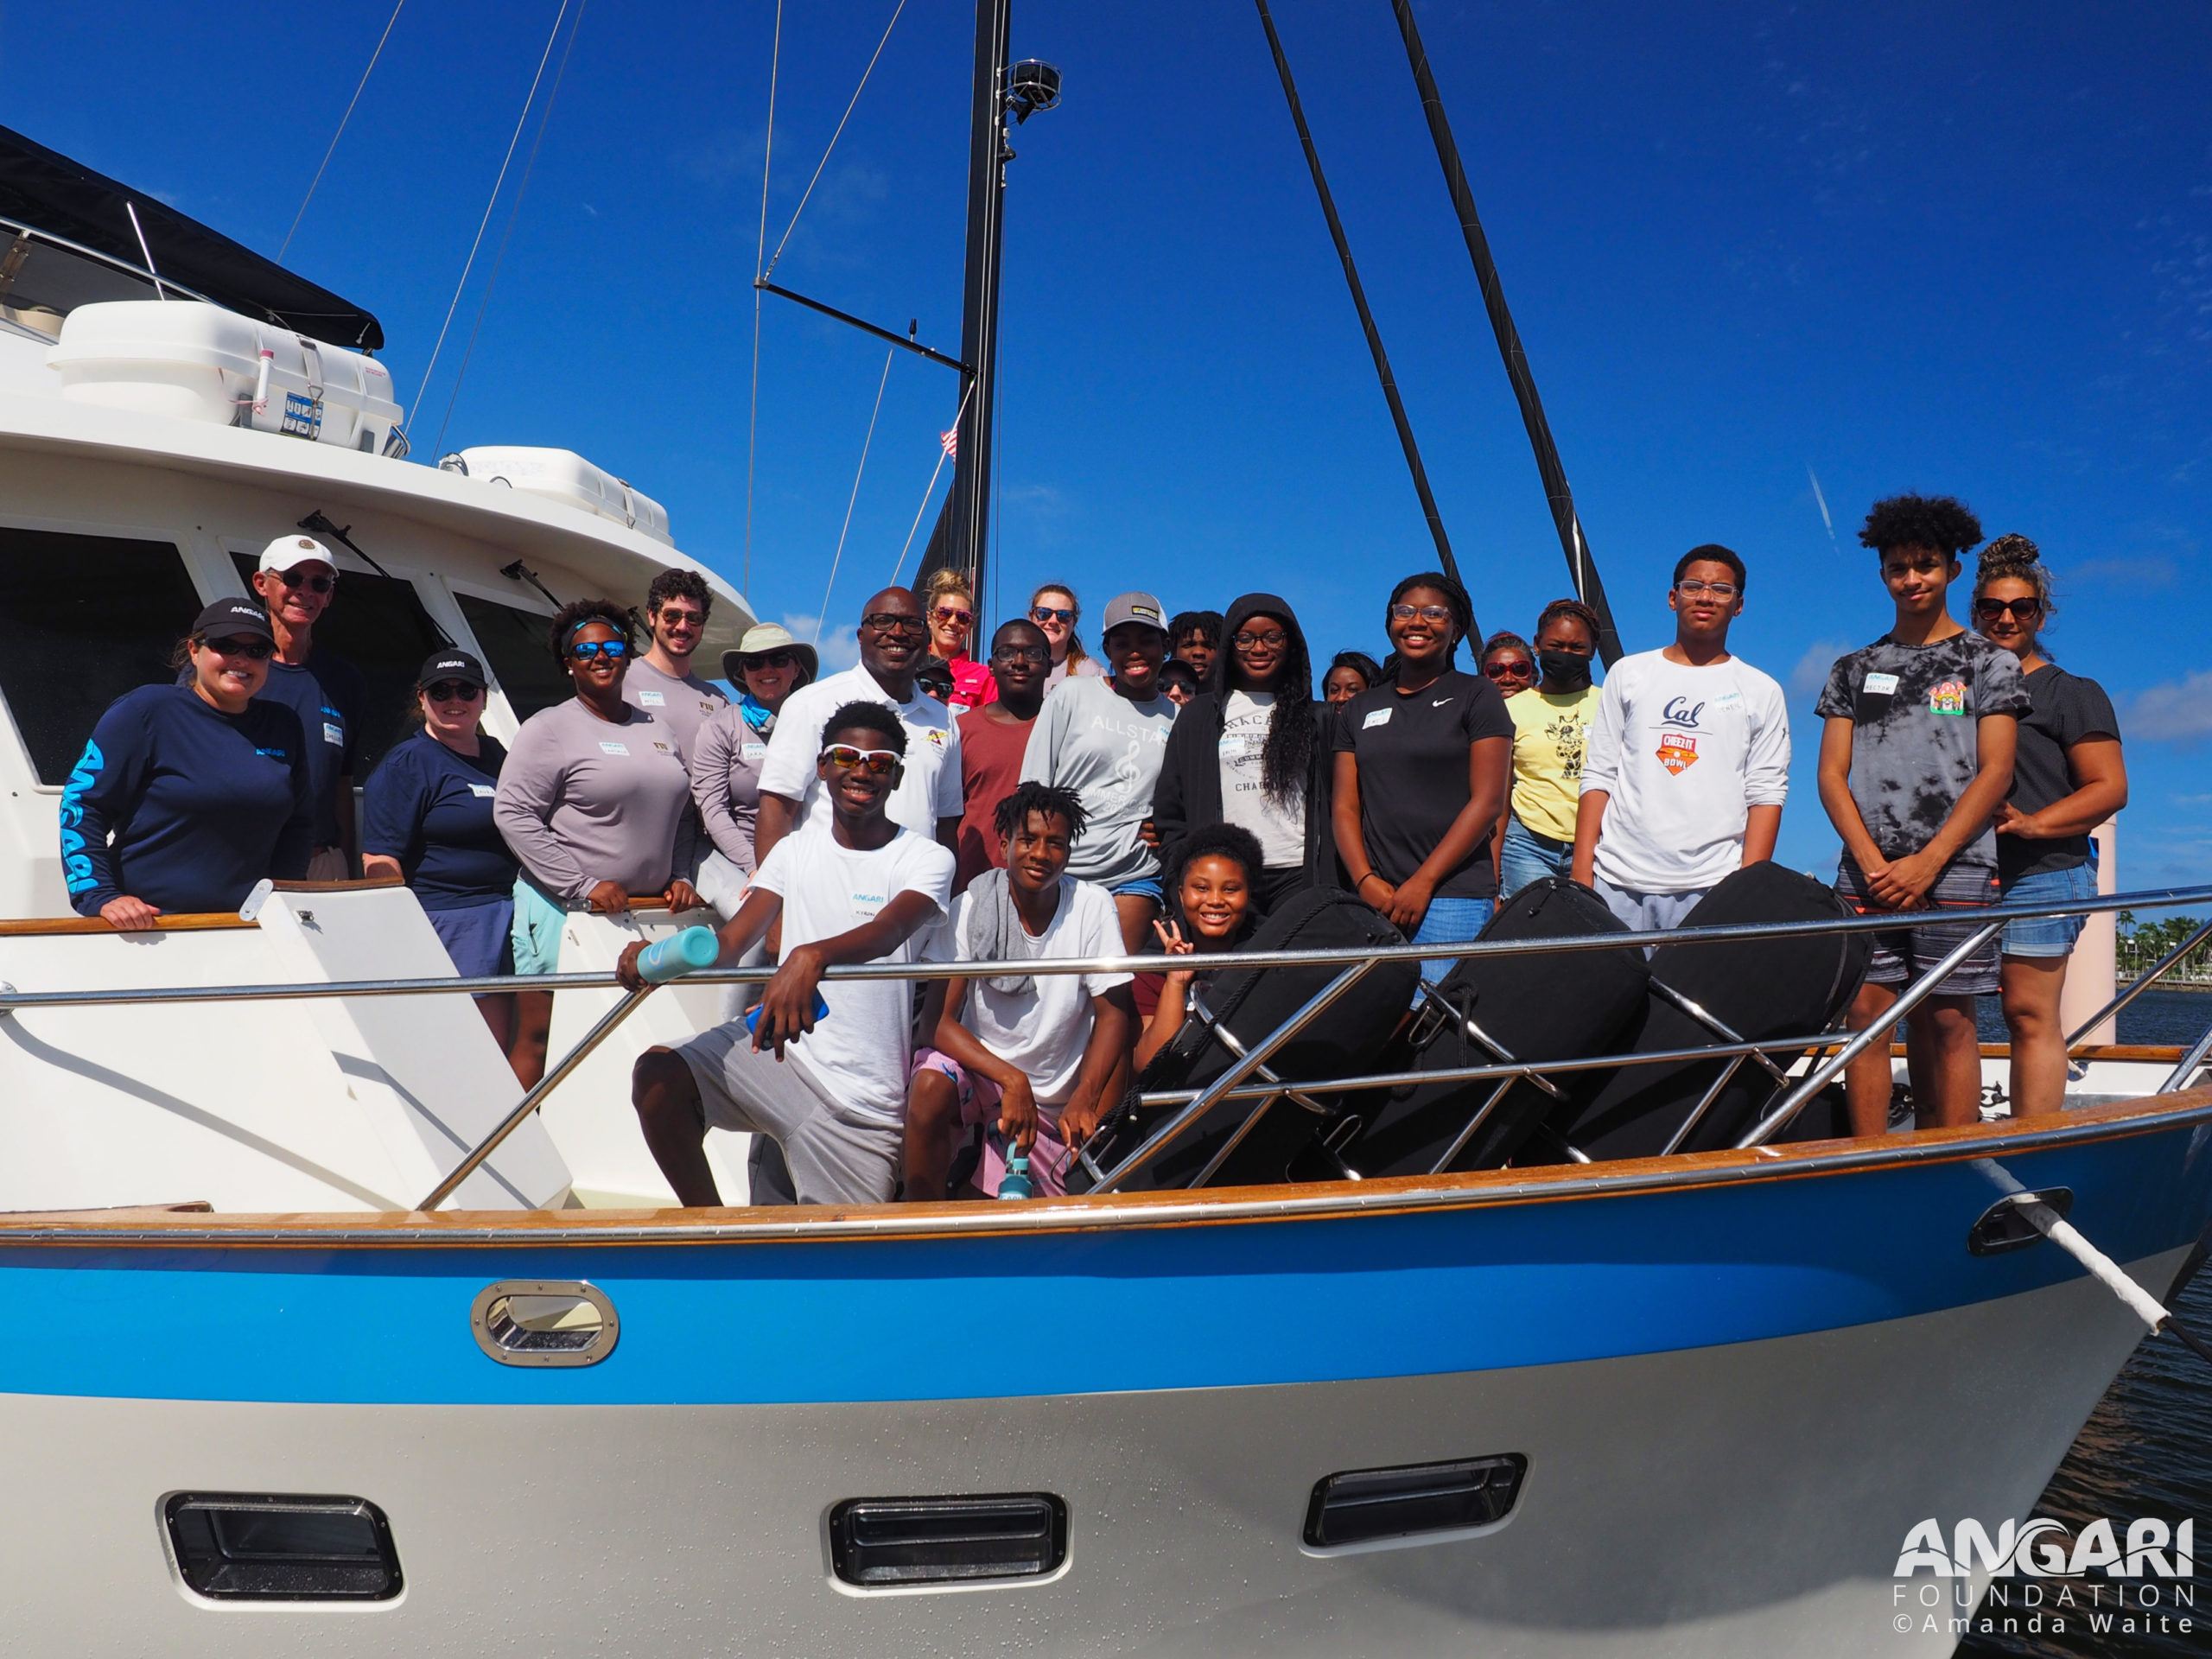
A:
{"x": 760, "y": 253}
{"x": 930, "y": 489}
{"x": 1359, "y": 303}
{"x": 340, "y": 133}
{"x": 483, "y": 224}
{"x": 807, "y": 194}
{"x": 859, "y": 473}
{"x": 1580, "y": 568}
{"x": 514, "y": 213}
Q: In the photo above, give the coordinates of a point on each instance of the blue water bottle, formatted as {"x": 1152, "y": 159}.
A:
{"x": 678, "y": 954}
{"x": 1015, "y": 1184}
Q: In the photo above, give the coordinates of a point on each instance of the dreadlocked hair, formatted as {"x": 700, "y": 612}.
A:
{"x": 1053, "y": 800}
{"x": 1574, "y": 608}
{"x": 1943, "y": 522}
{"x": 1294, "y": 733}
{"x": 2014, "y": 558}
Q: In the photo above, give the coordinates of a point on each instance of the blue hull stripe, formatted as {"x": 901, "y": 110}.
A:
{"x": 1142, "y": 1308}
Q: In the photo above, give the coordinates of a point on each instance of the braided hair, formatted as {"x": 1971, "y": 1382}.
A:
{"x": 1574, "y": 608}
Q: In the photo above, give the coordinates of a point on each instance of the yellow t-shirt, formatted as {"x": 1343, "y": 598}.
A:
{"x": 1549, "y": 734}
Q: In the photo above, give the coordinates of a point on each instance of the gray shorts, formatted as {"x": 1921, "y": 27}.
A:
{"x": 832, "y": 1161}
{"x": 1647, "y": 912}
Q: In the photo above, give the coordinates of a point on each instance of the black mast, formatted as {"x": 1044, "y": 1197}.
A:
{"x": 959, "y": 538}
{"x": 1580, "y": 568}
{"x": 1359, "y": 303}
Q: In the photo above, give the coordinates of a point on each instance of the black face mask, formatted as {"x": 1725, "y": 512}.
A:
{"x": 1565, "y": 670}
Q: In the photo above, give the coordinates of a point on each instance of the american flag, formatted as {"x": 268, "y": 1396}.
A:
{"x": 949, "y": 441}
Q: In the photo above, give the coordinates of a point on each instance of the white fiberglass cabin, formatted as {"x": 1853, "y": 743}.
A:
{"x": 155, "y": 434}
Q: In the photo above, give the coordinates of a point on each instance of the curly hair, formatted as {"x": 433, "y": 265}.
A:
{"x": 1053, "y": 800}
{"x": 2014, "y": 557}
{"x": 675, "y": 583}
{"x": 1294, "y": 730}
{"x": 1713, "y": 553}
{"x": 1574, "y": 608}
{"x": 1943, "y": 522}
{"x": 863, "y": 716}
{"x": 1231, "y": 841}
{"x": 1207, "y": 625}
{"x": 578, "y": 612}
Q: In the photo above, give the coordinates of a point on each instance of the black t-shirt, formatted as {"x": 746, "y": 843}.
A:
{"x": 1412, "y": 754}
{"x": 2067, "y": 710}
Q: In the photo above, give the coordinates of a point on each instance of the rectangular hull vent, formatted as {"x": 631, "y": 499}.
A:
{"x": 882, "y": 1542}
{"x": 1363, "y": 1504}
{"x": 242, "y": 1547}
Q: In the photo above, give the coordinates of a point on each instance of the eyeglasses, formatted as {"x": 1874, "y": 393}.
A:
{"x": 1718, "y": 589}
{"x": 452, "y": 691}
{"x": 1402, "y": 613}
{"x": 2021, "y": 610}
{"x": 963, "y": 618}
{"x": 259, "y": 650}
{"x": 766, "y": 659}
{"x": 1050, "y": 613}
{"x": 1512, "y": 669}
{"x": 313, "y": 584}
{"x": 1022, "y": 654}
{"x": 880, "y": 763}
{"x": 675, "y": 618}
{"x": 892, "y": 622}
{"x": 1273, "y": 639}
{"x": 613, "y": 649}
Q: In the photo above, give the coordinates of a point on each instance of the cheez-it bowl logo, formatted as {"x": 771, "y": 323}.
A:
{"x": 1677, "y": 752}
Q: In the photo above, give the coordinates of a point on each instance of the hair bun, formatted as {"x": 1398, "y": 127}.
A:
{"x": 2012, "y": 549}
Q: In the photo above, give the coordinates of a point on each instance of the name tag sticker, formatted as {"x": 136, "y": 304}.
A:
{"x": 652, "y": 699}
{"x": 1375, "y": 717}
{"x": 334, "y": 733}
{"x": 614, "y": 748}
{"x": 754, "y": 752}
{"x": 1882, "y": 686}
{"x": 482, "y": 792}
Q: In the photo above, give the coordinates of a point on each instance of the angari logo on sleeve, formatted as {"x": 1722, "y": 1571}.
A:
{"x": 1677, "y": 752}
{"x": 1948, "y": 697}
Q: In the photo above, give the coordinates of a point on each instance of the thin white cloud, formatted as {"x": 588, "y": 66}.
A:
{"x": 1811, "y": 673}
{"x": 840, "y": 647}
{"x": 2179, "y": 711}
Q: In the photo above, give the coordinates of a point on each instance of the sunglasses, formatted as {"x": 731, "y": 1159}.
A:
{"x": 1403, "y": 613}
{"x": 1509, "y": 671}
{"x": 452, "y": 691}
{"x": 259, "y": 650}
{"x": 313, "y": 584}
{"x": 963, "y": 618}
{"x": 880, "y": 763}
{"x": 1050, "y": 613}
{"x": 675, "y": 617}
{"x": 890, "y": 622}
{"x": 767, "y": 660}
{"x": 1273, "y": 639}
{"x": 613, "y": 649}
{"x": 2021, "y": 610}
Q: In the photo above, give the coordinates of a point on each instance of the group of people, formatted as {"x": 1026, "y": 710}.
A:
{"x": 1163, "y": 796}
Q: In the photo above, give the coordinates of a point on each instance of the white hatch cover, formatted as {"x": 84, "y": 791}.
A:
{"x": 564, "y": 475}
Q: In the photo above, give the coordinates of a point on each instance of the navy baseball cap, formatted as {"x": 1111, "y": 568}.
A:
{"x": 451, "y": 664}
{"x": 226, "y": 618}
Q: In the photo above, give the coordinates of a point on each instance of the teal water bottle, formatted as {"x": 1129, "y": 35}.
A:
{"x": 678, "y": 954}
{"x": 1015, "y": 1184}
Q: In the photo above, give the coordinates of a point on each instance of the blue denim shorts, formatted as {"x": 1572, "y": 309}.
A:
{"x": 1145, "y": 886}
{"x": 2047, "y": 936}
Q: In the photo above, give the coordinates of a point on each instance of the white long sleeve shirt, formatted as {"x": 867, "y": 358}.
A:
{"x": 1684, "y": 753}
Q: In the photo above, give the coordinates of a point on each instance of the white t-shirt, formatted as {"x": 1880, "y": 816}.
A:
{"x": 930, "y": 788}
{"x": 1684, "y": 753}
{"x": 1280, "y": 831}
{"x": 1045, "y": 1030}
{"x": 856, "y": 1056}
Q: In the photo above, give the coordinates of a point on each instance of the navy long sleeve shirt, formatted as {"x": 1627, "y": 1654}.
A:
{"x": 183, "y": 806}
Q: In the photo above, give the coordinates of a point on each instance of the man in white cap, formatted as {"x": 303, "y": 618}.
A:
{"x": 295, "y": 580}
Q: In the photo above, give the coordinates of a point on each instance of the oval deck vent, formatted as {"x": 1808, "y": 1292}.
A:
{"x": 1363, "y": 1505}
{"x": 897, "y": 1542}
{"x": 544, "y": 1322}
{"x": 248, "y": 1547}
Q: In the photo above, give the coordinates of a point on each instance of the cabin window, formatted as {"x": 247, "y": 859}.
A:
{"x": 378, "y": 625}
{"x": 91, "y": 617}
{"x": 515, "y": 651}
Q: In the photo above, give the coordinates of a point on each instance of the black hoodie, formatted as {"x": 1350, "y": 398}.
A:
{"x": 1188, "y": 795}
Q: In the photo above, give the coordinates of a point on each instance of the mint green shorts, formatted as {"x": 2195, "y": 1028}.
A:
{"x": 537, "y": 925}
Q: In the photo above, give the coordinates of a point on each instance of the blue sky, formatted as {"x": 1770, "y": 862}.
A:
{"x": 1963, "y": 248}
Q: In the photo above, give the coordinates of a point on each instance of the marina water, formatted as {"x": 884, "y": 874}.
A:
{"x": 2147, "y": 1448}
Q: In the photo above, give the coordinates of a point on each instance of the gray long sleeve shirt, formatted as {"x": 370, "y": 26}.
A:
{"x": 726, "y": 758}
{"x": 583, "y": 800}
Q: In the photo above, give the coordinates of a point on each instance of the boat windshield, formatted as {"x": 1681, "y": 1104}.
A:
{"x": 41, "y": 283}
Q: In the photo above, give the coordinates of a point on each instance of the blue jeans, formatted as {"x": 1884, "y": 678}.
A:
{"x": 1450, "y": 921}
{"x": 1527, "y": 856}
{"x": 2047, "y": 937}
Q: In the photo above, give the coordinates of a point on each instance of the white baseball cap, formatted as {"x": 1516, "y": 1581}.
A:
{"x": 289, "y": 552}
